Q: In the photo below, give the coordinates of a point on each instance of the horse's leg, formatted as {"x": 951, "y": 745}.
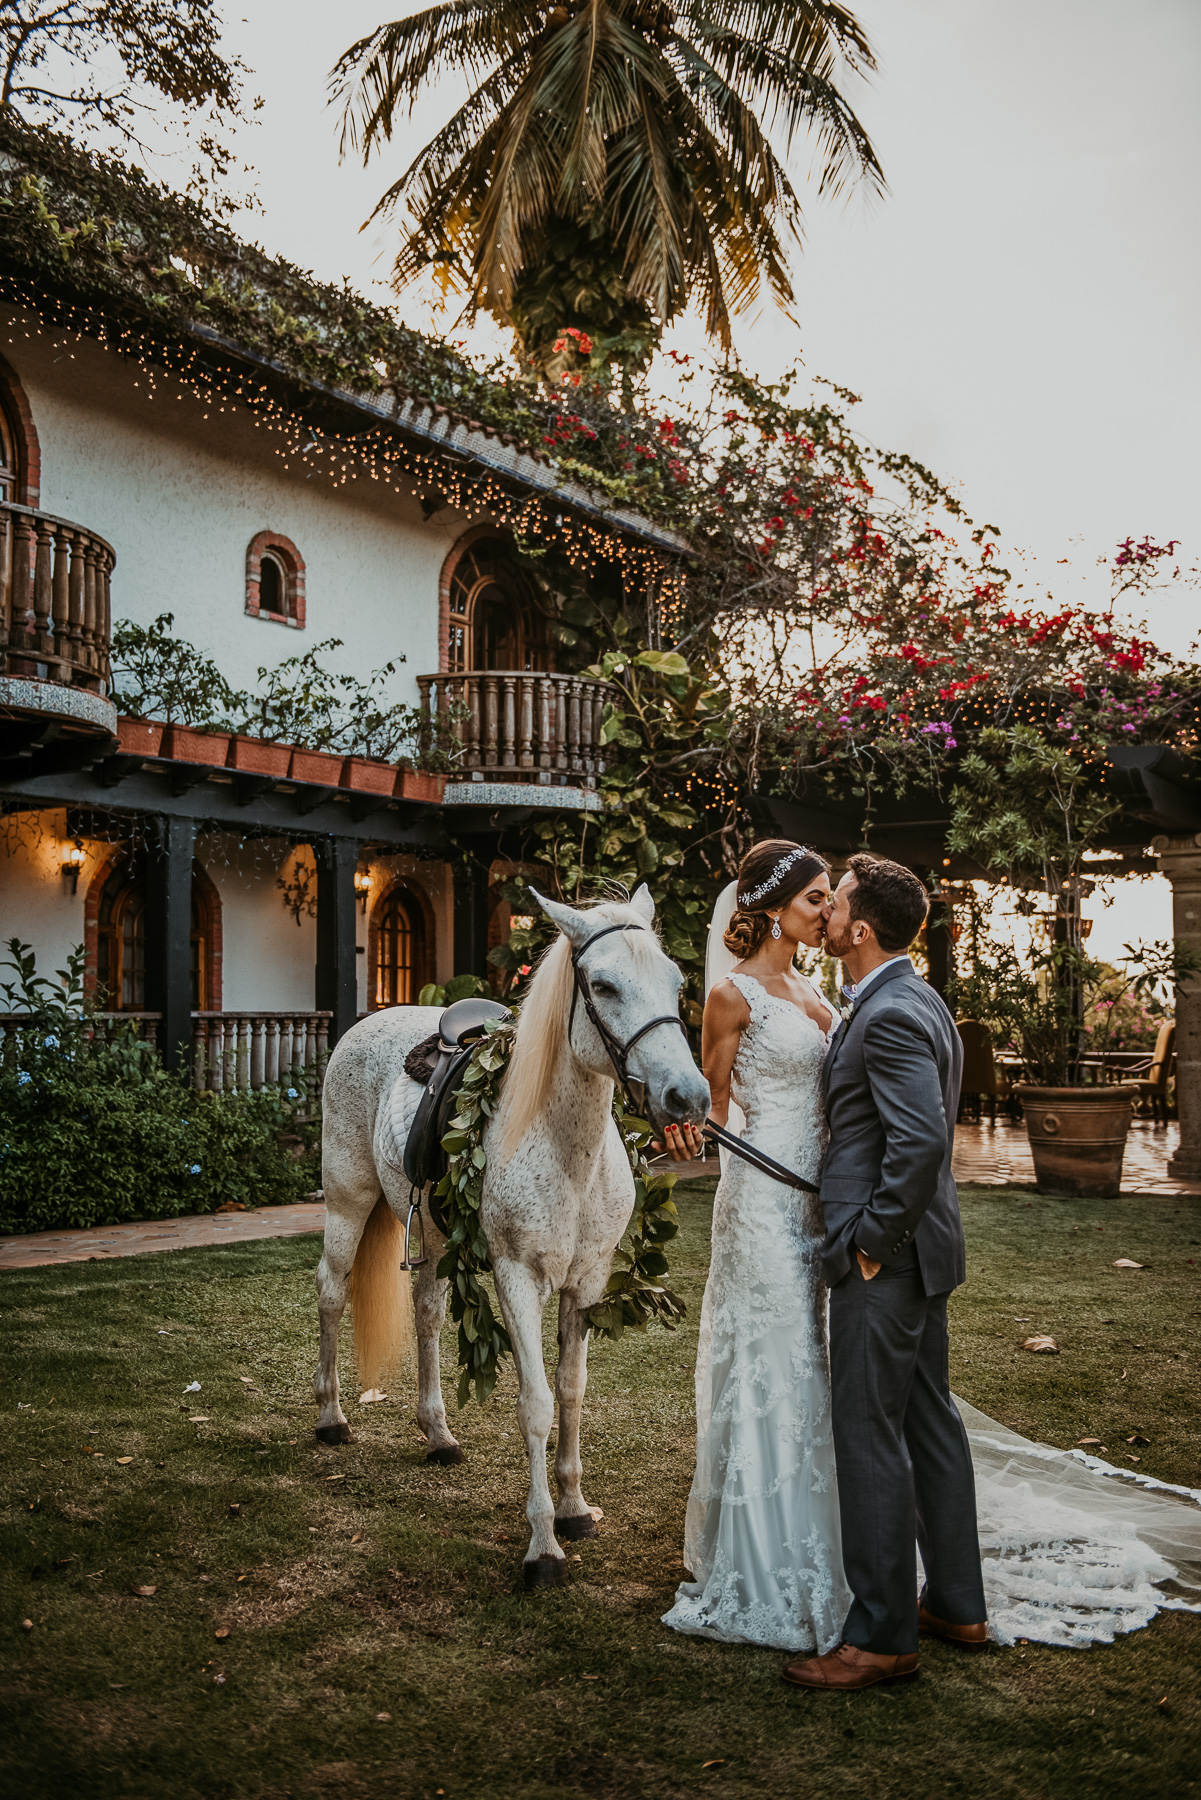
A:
{"x": 346, "y": 1214}
{"x": 522, "y": 1300}
{"x": 573, "y": 1516}
{"x": 429, "y": 1302}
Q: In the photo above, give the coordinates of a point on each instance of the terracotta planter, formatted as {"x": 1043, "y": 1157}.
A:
{"x": 367, "y": 776}
{"x": 183, "y": 743}
{"x": 315, "y": 765}
{"x": 1078, "y": 1137}
{"x": 254, "y": 757}
{"x": 140, "y": 737}
{"x": 419, "y": 784}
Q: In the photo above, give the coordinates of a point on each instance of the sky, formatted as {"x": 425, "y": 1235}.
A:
{"x": 1019, "y": 311}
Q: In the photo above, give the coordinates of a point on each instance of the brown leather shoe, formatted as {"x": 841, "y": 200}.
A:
{"x": 848, "y": 1668}
{"x": 964, "y": 1637}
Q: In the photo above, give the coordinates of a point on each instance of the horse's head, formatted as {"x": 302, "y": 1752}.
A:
{"x": 626, "y": 1007}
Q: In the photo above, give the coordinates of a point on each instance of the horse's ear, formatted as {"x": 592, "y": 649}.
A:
{"x": 642, "y": 903}
{"x": 574, "y": 925}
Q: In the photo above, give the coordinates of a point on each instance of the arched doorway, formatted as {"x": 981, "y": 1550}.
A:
{"x": 494, "y": 619}
{"x": 400, "y": 946}
{"x": 20, "y": 452}
{"x": 119, "y": 958}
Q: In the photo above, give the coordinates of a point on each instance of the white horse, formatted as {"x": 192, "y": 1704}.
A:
{"x": 557, "y": 1195}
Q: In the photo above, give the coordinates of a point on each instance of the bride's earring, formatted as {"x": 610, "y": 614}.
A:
{"x": 775, "y": 927}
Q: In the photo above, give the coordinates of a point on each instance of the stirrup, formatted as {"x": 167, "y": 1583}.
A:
{"x": 409, "y": 1261}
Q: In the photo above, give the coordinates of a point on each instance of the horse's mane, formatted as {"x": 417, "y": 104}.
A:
{"x": 541, "y": 1040}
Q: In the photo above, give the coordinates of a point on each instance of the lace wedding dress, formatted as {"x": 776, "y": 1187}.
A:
{"x": 761, "y": 1534}
{"x": 1075, "y": 1551}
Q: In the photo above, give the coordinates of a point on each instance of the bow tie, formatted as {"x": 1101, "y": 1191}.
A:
{"x": 849, "y": 990}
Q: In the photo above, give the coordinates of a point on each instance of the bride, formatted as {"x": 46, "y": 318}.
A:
{"x": 1074, "y": 1550}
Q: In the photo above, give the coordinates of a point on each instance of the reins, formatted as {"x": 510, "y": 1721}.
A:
{"x": 758, "y": 1159}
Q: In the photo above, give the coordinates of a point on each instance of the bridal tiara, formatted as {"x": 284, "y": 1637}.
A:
{"x": 778, "y": 873}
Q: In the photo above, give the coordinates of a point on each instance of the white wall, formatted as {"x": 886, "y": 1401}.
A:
{"x": 179, "y": 497}
{"x": 36, "y": 902}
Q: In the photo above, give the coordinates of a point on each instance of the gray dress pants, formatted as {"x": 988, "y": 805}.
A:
{"x": 904, "y": 1467}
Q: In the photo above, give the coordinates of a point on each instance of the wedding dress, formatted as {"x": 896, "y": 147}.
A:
{"x": 1075, "y": 1551}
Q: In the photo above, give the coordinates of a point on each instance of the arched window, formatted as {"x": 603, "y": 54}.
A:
{"x": 20, "y": 453}
{"x": 275, "y": 579}
{"x": 401, "y": 948}
{"x": 121, "y": 940}
{"x": 494, "y": 621}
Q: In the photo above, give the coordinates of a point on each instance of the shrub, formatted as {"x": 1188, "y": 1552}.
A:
{"x": 94, "y": 1130}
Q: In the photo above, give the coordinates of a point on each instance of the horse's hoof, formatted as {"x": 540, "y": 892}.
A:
{"x": 579, "y": 1525}
{"x": 445, "y": 1454}
{"x": 334, "y": 1434}
{"x": 546, "y": 1571}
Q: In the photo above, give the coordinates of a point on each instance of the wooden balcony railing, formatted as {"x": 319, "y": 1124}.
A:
{"x": 515, "y": 726}
{"x": 55, "y": 612}
{"x": 232, "y": 1052}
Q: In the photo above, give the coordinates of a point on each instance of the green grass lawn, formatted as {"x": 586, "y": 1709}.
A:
{"x": 356, "y": 1583}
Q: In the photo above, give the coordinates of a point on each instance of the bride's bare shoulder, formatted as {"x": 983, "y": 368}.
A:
{"x": 726, "y": 1005}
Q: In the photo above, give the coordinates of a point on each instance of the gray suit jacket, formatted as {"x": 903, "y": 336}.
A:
{"x": 892, "y": 1077}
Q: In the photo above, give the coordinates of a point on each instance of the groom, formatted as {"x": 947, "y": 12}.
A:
{"x": 893, "y": 1253}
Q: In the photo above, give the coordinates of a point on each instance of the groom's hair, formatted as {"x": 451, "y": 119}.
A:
{"x": 889, "y": 898}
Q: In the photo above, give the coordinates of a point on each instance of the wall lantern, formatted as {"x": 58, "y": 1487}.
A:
{"x": 74, "y": 857}
{"x": 362, "y": 887}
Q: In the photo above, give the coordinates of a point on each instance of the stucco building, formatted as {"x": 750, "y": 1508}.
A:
{"x": 187, "y": 427}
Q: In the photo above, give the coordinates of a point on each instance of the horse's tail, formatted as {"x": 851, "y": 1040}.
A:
{"x": 382, "y": 1299}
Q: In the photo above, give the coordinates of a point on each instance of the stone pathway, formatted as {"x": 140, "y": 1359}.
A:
{"x": 985, "y": 1155}
{"x": 160, "y": 1234}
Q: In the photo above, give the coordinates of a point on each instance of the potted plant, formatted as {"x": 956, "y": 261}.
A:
{"x": 1052, "y": 1009}
{"x": 257, "y": 756}
{"x": 140, "y": 737}
{"x": 368, "y": 775}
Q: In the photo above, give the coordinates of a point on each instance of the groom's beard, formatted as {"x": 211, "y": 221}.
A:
{"x": 835, "y": 945}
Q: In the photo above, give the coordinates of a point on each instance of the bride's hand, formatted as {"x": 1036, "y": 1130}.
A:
{"x": 682, "y": 1143}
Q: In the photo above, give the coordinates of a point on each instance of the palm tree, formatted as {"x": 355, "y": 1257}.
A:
{"x": 609, "y": 165}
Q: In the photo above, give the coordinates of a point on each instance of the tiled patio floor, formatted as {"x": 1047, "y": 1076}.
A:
{"x": 992, "y": 1155}
{"x": 997, "y": 1154}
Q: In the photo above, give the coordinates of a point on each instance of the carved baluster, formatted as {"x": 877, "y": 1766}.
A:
{"x": 200, "y": 1045}
{"x": 59, "y": 559}
{"x": 322, "y": 1044}
{"x": 271, "y": 1051}
{"x": 509, "y": 738}
{"x": 545, "y": 747}
{"x": 43, "y": 587}
{"x": 76, "y": 575}
{"x": 90, "y": 556}
{"x": 491, "y": 702}
{"x": 560, "y": 722}
{"x": 104, "y": 610}
{"x": 22, "y": 617}
{"x": 258, "y": 1042}
{"x": 525, "y": 752}
{"x": 470, "y": 693}
{"x": 573, "y": 727}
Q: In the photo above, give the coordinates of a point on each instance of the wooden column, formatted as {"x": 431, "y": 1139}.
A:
{"x": 169, "y": 935}
{"x": 1180, "y": 861}
{"x": 336, "y": 988}
{"x": 471, "y": 916}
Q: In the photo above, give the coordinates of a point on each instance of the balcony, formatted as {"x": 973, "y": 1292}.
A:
{"x": 55, "y": 622}
{"x": 520, "y": 727}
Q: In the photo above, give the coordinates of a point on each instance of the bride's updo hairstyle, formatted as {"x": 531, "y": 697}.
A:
{"x": 770, "y": 875}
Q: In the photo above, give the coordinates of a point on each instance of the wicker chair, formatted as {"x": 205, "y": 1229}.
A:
{"x": 1153, "y": 1075}
{"x": 983, "y": 1084}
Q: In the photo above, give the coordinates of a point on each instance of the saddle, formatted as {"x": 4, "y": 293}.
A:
{"x": 439, "y": 1062}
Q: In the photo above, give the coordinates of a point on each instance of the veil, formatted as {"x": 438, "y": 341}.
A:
{"x": 718, "y": 963}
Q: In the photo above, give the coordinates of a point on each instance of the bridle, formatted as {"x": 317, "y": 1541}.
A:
{"x": 617, "y": 1052}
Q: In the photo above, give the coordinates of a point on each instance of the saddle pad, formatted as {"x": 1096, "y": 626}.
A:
{"x": 422, "y": 1059}
{"x": 396, "y": 1119}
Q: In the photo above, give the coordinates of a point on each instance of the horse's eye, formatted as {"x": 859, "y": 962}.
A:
{"x": 605, "y": 989}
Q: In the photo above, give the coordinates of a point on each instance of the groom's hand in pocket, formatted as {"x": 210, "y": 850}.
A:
{"x": 867, "y": 1268}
